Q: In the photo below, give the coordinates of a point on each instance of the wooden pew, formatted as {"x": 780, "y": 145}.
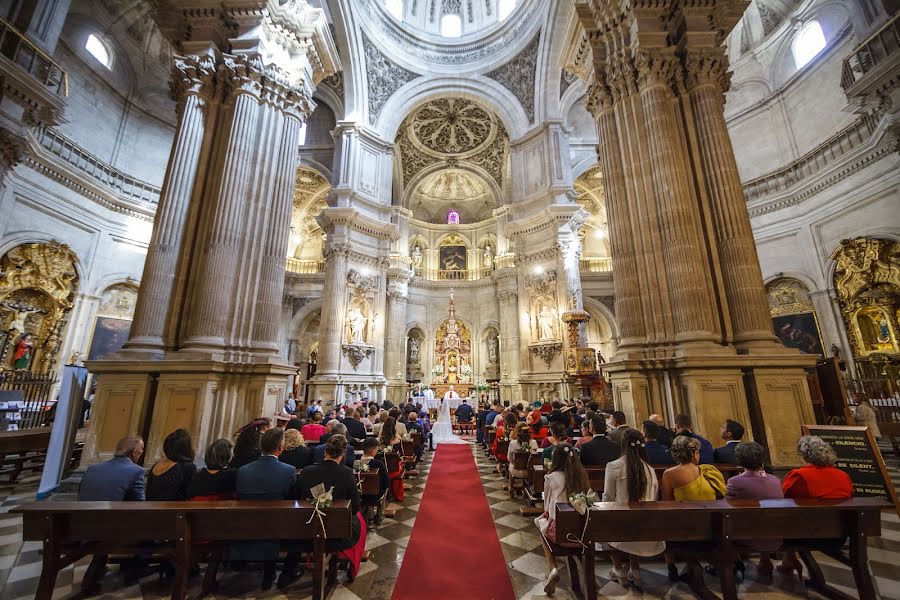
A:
{"x": 72, "y": 530}
{"x": 722, "y": 523}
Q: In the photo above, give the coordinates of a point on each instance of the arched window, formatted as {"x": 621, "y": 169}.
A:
{"x": 451, "y": 26}
{"x": 302, "y": 134}
{"x": 99, "y": 50}
{"x": 395, "y": 7}
{"x": 505, "y": 8}
{"x": 452, "y": 217}
{"x": 808, "y": 42}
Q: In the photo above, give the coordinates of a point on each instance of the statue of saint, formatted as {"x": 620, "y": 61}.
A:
{"x": 492, "y": 350}
{"x": 18, "y": 322}
{"x": 413, "y": 350}
{"x": 357, "y": 322}
{"x": 545, "y": 323}
{"x": 417, "y": 257}
{"x": 22, "y": 356}
{"x": 488, "y": 258}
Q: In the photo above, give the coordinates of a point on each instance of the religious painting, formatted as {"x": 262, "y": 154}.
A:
{"x": 799, "y": 331}
{"x": 109, "y": 336}
{"x": 874, "y": 330}
{"x": 453, "y": 258}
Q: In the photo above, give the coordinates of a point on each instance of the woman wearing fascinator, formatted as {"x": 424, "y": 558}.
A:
{"x": 630, "y": 478}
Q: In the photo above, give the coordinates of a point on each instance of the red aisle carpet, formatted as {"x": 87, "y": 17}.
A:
{"x": 453, "y": 552}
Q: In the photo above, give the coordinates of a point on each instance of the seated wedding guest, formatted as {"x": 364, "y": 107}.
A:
{"x": 296, "y": 453}
{"x": 334, "y": 475}
{"x": 337, "y": 428}
{"x": 115, "y": 480}
{"x": 355, "y": 428}
{"x": 170, "y": 477}
{"x": 504, "y": 432}
{"x": 118, "y": 478}
{"x": 370, "y": 449}
{"x": 731, "y": 432}
{"x": 314, "y": 407}
{"x": 599, "y": 450}
{"x": 492, "y": 414}
{"x": 413, "y": 426}
{"x": 557, "y": 436}
{"x": 619, "y": 427}
{"x": 666, "y": 436}
{"x": 521, "y": 442}
{"x": 389, "y": 441}
{"x": 657, "y": 454}
{"x": 294, "y": 423}
{"x": 755, "y": 484}
{"x": 371, "y": 417}
{"x": 464, "y": 412}
{"x": 817, "y": 479}
{"x": 683, "y": 426}
{"x": 630, "y": 478}
{"x": 267, "y": 478}
{"x": 399, "y": 426}
{"x": 313, "y": 430}
{"x": 216, "y": 481}
{"x": 689, "y": 480}
{"x": 585, "y": 433}
{"x": 382, "y": 417}
{"x": 246, "y": 446}
{"x": 290, "y": 405}
{"x": 539, "y": 429}
{"x": 565, "y": 477}
{"x": 329, "y": 430}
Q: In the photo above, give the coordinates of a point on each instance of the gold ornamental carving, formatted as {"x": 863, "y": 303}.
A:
{"x": 788, "y": 297}
{"x": 37, "y": 291}
{"x": 867, "y": 282}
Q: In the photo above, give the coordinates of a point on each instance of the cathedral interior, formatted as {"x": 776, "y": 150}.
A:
{"x": 663, "y": 207}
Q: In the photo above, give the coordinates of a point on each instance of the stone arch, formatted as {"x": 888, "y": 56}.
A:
{"x": 410, "y": 187}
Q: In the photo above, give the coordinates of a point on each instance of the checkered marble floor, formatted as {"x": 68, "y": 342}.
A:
{"x": 20, "y": 564}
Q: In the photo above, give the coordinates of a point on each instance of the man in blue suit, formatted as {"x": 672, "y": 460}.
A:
{"x": 267, "y": 478}
{"x": 683, "y": 426}
{"x": 337, "y": 428}
{"x": 115, "y": 480}
{"x": 657, "y": 454}
{"x": 731, "y": 432}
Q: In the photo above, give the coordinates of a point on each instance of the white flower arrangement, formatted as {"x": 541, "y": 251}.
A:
{"x": 438, "y": 370}
{"x": 582, "y": 502}
{"x": 360, "y": 466}
{"x": 466, "y": 371}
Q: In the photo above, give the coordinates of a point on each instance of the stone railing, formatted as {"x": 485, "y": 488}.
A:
{"x": 34, "y": 61}
{"x": 811, "y": 163}
{"x": 596, "y": 264}
{"x": 452, "y": 274}
{"x": 70, "y": 153}
{"x": 304, "y": 267}
{"x": 875, "y": 51}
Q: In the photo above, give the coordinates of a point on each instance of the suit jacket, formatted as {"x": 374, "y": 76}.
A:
{"x": 599, "y": 451}
{"x": 657, "y": 454}
{"x": 464, "y": 413}
{"x": 114, "y": 480}
{"x": 355, "y": 429}
{"x": 706, "y": 449}
{"x": 318, "y": 455}
{"x": 266, "y": 478}
{"x": 330, "y": 474}
{"x": 725, "y": 454}
{"x": 666, "y": 437}
{"x": 298, "y": 457}
{"x": 615, "y": 436}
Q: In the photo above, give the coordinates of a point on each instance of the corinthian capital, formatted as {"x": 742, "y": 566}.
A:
{"x": 246, "y": 74}
{"x": 706, "y": 66}
{"x": 599, "y": 97}
{"x": 192, "y": 75}
{"x": 655, "y": 67}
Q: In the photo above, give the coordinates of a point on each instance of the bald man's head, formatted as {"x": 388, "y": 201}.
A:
{"x": 130, "y": 447}
{"x": 657, "y": 419}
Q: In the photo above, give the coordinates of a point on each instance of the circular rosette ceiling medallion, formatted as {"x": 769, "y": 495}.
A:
{"x": 452, "y": 127}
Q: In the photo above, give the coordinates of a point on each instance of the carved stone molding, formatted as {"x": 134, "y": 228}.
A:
{"x": 546, "y": 351}
{"x": 657, "y": 67}
{"x": 518, "y": 75}
{"x": 706, "y": 66}
{"x": 355, "y": 353}
{"x": 384, "y": 78}
{"x": 788, "y": 297}
{"x": 192, "y": 75}
{"x": 364, "y": 284}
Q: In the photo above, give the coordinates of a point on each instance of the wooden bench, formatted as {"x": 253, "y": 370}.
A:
{"x": 14, "y": 464}
{"x": 72, "y": 530}
{"x": 709, "y": 530}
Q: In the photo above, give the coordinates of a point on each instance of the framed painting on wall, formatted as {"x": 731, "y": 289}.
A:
{"x": 799, "y": 331}
{"x": 453, "y": 258}
{"x": 109, "y": 336}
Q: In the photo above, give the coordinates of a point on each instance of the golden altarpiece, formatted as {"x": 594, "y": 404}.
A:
{"x": 452, "y": 355}
{"x": 37, "y": 292}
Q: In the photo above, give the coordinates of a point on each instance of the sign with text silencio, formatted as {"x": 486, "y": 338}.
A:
{"x": 858, "y": 455}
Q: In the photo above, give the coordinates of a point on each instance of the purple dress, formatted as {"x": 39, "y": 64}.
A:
{"x": 756, "y": 485}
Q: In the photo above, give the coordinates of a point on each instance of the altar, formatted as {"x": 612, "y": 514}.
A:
{"x": 462, "y": 389}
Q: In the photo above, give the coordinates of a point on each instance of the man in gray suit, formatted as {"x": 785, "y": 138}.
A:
{"x": 619, "y": 427}
{"x": 115, "y": 480}
{"x": 267, "y": 478}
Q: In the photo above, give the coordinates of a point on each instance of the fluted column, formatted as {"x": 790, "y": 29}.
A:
{"x": 192, "y": 85}
{"x": 333, "y": 299}
{"x": 679, "y": 220}
{"x": 707, "y": 79}
{"x": 625, "y": 264}
{"x": 395, "y": 338}
{"x": 510, "y": 340}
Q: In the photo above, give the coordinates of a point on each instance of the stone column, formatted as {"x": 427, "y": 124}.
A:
{"x": 706, "y": 80}
{"x": 192, "y": 85}
{"x": 42, "y": 21}
{"x": 510, "y": 340}
{"x": 395, "y": 338}
{"x": 331, "y": 329}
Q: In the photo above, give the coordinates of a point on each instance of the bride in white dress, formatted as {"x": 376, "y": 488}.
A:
{"x": 442, "y": 431}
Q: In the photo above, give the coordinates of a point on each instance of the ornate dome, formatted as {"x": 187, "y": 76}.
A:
{"x": 452, "y": 189}
{"x": 451, "y": 18}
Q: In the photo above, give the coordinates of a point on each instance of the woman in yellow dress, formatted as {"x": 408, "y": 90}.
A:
{"x": 689, "y": 481}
